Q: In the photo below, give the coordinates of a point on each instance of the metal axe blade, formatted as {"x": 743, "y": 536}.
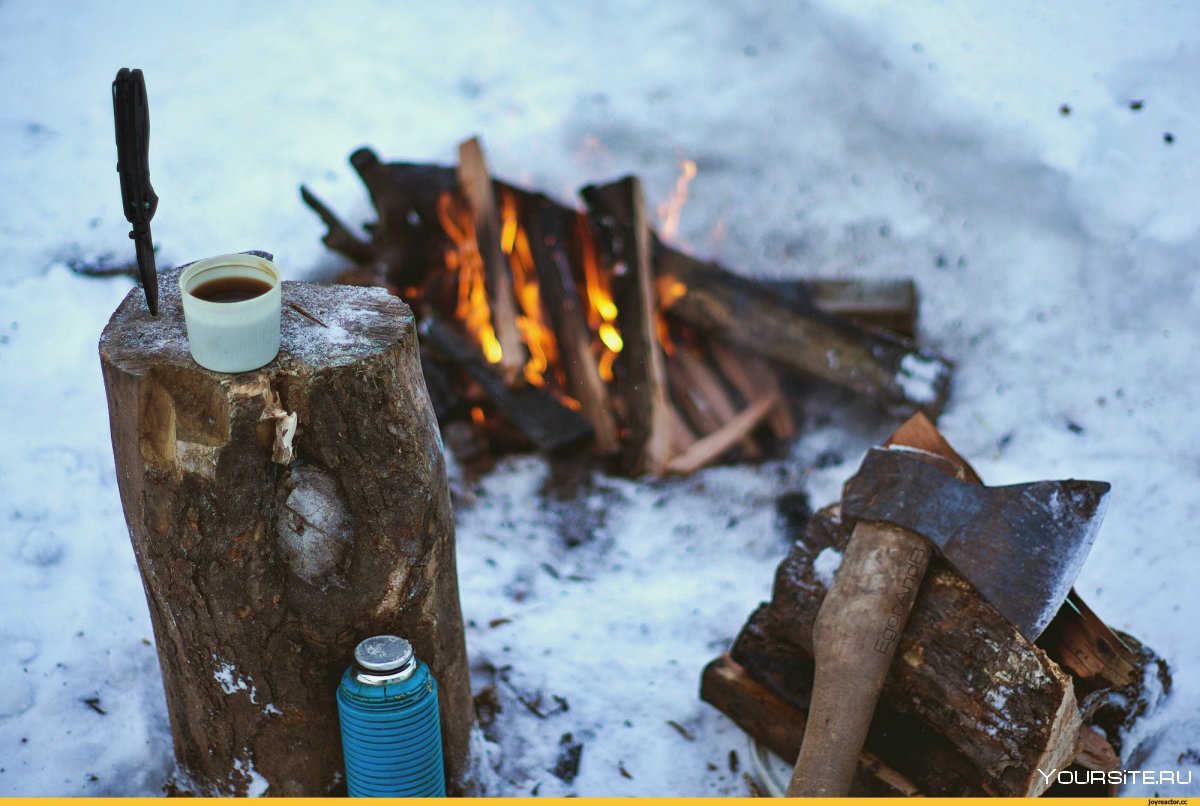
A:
{"x": 1021, "y": 546}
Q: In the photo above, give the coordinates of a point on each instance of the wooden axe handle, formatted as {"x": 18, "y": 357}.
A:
{"x": 854, "y": 639}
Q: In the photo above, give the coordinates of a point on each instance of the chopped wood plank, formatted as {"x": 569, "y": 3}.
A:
{"x": 705, "y": 391}
{"x": 779, "y": 725}
{"x": 682, "y": 435}
{"x": 1088, "y": 648}
{"x": 754, "y": 379}
{"x": 708, "y": 448}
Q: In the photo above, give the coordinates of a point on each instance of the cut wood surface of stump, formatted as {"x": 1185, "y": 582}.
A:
{"x": 278, "y": 517}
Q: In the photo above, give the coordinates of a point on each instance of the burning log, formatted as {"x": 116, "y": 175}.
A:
{"x": 405, "y": 241}
{"x": 548, "y": 226}
{"x": 878, "y": 365}
{"x": 888, "y": 304}
{"x": 548, "y": 423}
{"x": 476, "y": 185}
{"x": 339, "y": 238}
{"x": 619, "y": 210}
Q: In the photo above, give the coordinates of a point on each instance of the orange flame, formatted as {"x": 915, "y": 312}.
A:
{"x": 531, "y": 323}
{"x": 601, "y": 310}
{"x": 669, "y": 212}
{"x": 464, "y": 258}
{"x": 668, "y": 290}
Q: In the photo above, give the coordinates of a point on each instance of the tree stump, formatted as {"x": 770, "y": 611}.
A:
{"x": 279, "y": 517}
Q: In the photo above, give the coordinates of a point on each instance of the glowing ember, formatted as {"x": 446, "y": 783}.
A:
{"x": 668, "y": 213}
{"x": 669, "y": 290}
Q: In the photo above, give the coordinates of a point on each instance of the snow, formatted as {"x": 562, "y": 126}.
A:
{"x": 227, "y": 677}
{"x": 1054, "y": 254}
{"x": 826, "y": 564}
{"x": 919, "y": 377}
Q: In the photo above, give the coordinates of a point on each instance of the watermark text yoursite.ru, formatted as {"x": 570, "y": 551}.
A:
{"x": 1119, "y": 777}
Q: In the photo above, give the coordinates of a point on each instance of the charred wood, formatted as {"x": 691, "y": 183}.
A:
{"x": 548, "y": 423}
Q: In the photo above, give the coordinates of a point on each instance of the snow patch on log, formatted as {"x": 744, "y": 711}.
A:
{"x": 316, "y": 331}
{"x": 256, "y": 784}
{"x": 920, "y": 378}
{"x": 826, "y": 565}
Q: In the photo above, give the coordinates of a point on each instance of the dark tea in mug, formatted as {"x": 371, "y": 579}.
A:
{"x": 231, "y": 289}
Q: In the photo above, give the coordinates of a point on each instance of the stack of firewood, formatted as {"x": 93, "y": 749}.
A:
{"x": 969, "y": 707}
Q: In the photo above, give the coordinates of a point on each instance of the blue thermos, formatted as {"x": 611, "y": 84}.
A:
{"x": 391, "y": 733}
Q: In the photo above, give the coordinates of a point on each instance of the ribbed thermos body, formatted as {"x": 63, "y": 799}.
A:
{"x": 391, "y": 734}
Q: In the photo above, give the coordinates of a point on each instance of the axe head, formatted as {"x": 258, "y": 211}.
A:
{"x": 1021, "y": 546}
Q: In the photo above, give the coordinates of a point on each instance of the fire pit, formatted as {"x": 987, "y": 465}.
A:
{"x": 551, "y": 327}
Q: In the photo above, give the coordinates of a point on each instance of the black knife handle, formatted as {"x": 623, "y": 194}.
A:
{"x": 131, "y": 114}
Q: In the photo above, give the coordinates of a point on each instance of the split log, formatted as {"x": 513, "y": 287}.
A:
{"x": 619, "y": 210}
{"x": 872, "y": 363}
{"x": 1088, "y": 648}
{"x": 278, "y": 517}
{"x": 754, "y": 379}
{"x": 779, "y": 725}
{"x": 547, "y": 223}
{"x": 682, "y": 436}
{"x": 548, "y": 423}
{"x": 475, "y": 183}
{"x": 886, "y": 304}
{"x": 701, "y": 394}
{"x": 707, "y": 449}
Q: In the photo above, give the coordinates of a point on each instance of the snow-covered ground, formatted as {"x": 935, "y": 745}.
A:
{"x": 989, "y": 150}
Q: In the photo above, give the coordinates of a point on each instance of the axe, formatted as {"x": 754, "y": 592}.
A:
{"x": 1021, "y": 546}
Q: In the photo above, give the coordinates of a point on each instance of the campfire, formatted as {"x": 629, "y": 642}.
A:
{"x": 551, "y": 327}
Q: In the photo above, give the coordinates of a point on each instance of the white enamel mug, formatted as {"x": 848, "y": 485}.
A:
{"x": 232, "y": 336}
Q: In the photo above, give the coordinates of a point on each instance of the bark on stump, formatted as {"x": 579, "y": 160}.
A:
{"x": 268, "y": 544}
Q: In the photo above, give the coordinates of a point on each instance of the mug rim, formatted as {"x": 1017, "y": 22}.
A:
{"x": 237, "y": 260}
